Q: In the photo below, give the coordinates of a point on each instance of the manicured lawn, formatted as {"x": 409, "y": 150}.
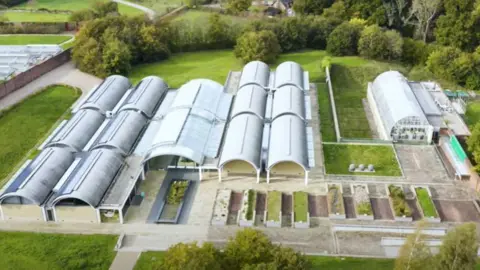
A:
{"x": 341, "y": 263}
{"x": 201, "y": 17}
{"x": 338, "y": 157}
{"x": 36, "y": 17}
{"x": 473, "y": 113}
{"x": 23, "y": 125}
{"x": 327, "y": 127}
{"x": 426, "y": 203}
{"x": 73, "y": 5}
{"x": 33, "y": 39}
{"x": 20, "y": 250}
{"x": 300, "y": 207}
{"x": 274, "y": 204}
{"x": 150, "y": 260}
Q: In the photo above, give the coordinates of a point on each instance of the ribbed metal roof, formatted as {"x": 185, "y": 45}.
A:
{"x": 122, "y": 132}
{"x": 146, "y": 96}
{"x": 255, "y": 72}
{"x": 243, "y": 140}
{"x": 78, "y": 130}
{"x": 91, "y": 178}
{"x": 250, "y": 99}
{"x": 289, "y": 73}
{"x": 195, "y": 122}
{"x": 395, "y": 100}
{"x": 35, "y": 181}
{"x": 107, "y": 94}
{"x": 288, "y": 141}
{"x": 425, "y": 99}
{"x": 288, "y": 100}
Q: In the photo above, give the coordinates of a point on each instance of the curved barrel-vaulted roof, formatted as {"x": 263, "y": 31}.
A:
{"x": 395, "y": 99}
{"x": 91, "y": 177}
{"x": 107, "y": 94}
{"x": 122, "y": 132}
{"x": 288, "y": 100}
{"x": 146, "y": 96}
{"x": 39, "y": 177}
{"x": 78, "y": 130}
{"x": 194, "y": 125}
{"x": 255, "y": 72}
{"x": 289, "y": 73}
{"x": 250, "y": 99}
{"x": 243, "y": 140}
{"x": 288, "y": 142}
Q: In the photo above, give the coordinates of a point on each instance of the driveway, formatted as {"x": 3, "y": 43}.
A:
{"x": 64, "y": 74}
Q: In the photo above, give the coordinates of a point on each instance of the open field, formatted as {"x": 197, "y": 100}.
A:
{"x": 160, "y": 6}
{"x": 55, "y": 251}
{"x": 201, "y": 17}
{"x": 339, "y": 156}
{"x": 35, "y": 17}
{"x": 33, "y": 39}
{"x": 23, "y": 125}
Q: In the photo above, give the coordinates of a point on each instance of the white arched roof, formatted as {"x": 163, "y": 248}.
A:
{"x": 107, "y": 94}
{"x": 194, "y": 124}
{"x": 288, "y": 142}
{"x": 37, "y": 179}
{"x": 146, "y": 96}
{"x": 255, "y": 72}
{"x": 243, "y": 140}
{"x": 288, "y": 100}
{"x": 250, "y": 99}
{"x": 289, "y": 73}
{"x": 91, "y": 177}
{"x": 395, "y": 100}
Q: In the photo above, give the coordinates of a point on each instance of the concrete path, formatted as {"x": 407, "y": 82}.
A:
{"x": 64, "y": 74}
{"x": 125, "y": 260}
{"x": 150, "y": 12}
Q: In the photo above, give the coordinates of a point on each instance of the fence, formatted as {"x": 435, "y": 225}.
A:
{"x": 28, "y": 76}
{"x": 332, "y": 103}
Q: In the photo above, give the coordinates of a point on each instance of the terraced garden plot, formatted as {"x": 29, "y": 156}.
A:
{"x": 426, "y": 203}
{"x": 274, "y": 205}
{"x": 335, "y": 201}
{"x": 300, "y": 207}
{"x": 362, "y": 201}
{"x": 400, "y": 206}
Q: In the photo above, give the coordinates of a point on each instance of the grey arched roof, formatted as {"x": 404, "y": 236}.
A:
{"x": 91, "y": 178}
{"x": 37, "y": 179}
{"x": 288, "y": 141}
{"x": 78, "y": 130}
{"x": 107, "y": 94}
{"x": 289, "y": 73}
{"x": 288, "y": 100}
{"x": 122, "y": 132}
{"x": 250, "y": 99}
{"x": 255, "y": 72}
{"x": 194, "y": 124}
{"x": 146, "y": 96}
{"x": 395, "y": 99}
{"x": 243, "y": 141}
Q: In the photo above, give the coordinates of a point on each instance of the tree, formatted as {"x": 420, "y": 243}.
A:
{"x": 217, "y": 33}
{"x": 395, "y": 45}
{"x": 337, "y": 10}
{"x": 116, "y": 58}
{"x": 261, "y": 46}
{"x": 397, "y": 12}
{"x": 459, "y": 248}
{"x": 473, "y": 143}
{"x": 440, "y": 62}
{"x": 102, "y": 9}
{"x": 151, "y": 44}
{"x": 292, "y": 34}
{"x": 318, "y": 31}
{"x": 343, "y": 39}
{"x": 311, "y": 6}
{"x": 87, "y": 55}
{"x": 237, "y": 6}
{"x": 373, "y": 43}
{"x": 425, "y": 11}
{"x": 373, "y": 10}
{"x": 191, "y": 256}
{"x": 414, "y": 254}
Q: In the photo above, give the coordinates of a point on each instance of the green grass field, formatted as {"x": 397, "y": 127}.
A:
{"x": 426, "y": 203}
{"x": 339, "y": 156}
{"x": 201, "y": 17}
{"x": 33, "y": 39}
{"x": 73, "y": 5}
{"x": 23, "y": 125}
{"x": 37, "y": 251}
{"x": 160, "y": 6}
{"x": 300, "y": 207}
{"x": 274, "y": 205}
{"x": 35, "y": 17}
{"x": 327, "y": 127}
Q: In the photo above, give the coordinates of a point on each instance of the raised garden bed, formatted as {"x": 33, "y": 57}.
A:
{"x": 301, "y": 216}
{"x": 363, "y": 207}
{"x": 274, "y": 209}
{"x": 400, "y": 207}
{"x": 220, "y": 211}
{"x": 247, "y": 212}
{"x": 173, "y": 203}
{"x": 336, "y": 208}
{"x": 426, "y": 204}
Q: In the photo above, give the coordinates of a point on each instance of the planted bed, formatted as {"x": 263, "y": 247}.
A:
{"x": 300, "y": 210}
{"x": 336, "y": 207}
{"x": 362, "y": 202}
{"x": 247, "y": 212}
{"x": 173, "y": 204}
{"x": 399, "y": 204}
{"x": 274, "y": 208}
{"x": 426, "y": 203}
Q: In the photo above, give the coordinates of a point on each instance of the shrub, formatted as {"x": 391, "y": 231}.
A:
{"x": 440, "y": 62}
{"x": 373, "y": 43}
{"x": 344, "y": 39}
{"x": 318, "y": 31}
{"x": 400, "y": 206}
{"x": 261, "y": 46}
{"x": 177, "y": 191}
{"x": 251, "y": 204}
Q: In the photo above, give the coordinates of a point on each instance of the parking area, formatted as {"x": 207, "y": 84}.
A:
{"x": 457, "y": 211}
{"x": 421, "y": 164}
